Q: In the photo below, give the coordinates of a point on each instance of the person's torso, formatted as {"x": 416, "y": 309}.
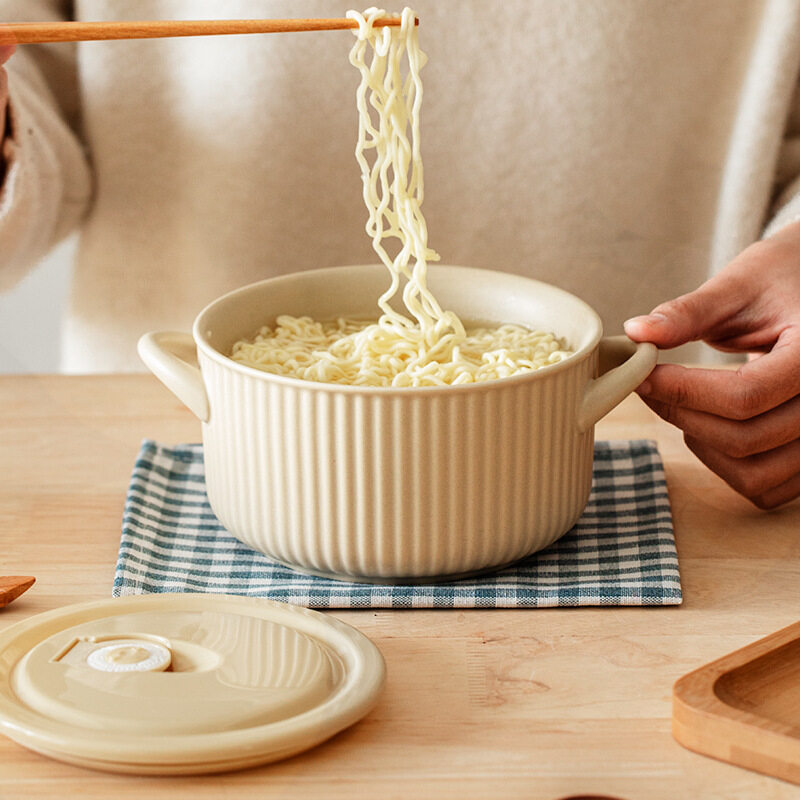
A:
{"x": 579, "y": 143}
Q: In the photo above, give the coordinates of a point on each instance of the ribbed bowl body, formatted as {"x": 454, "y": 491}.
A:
{"x": 386, "y": 484}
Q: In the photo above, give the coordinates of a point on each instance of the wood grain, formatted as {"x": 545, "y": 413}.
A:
{"x": 12, "y": 586}
{"x": 745, "y": 707}
{"x": 534, "y": 704}
{"x": 39, "y": 32}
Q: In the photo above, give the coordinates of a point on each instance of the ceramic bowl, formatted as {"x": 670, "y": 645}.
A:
{"x": 406, "y": 484}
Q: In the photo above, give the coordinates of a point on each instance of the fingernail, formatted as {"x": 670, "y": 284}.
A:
{"x": 655, "y": 318}
{"x": 645, "y": 388}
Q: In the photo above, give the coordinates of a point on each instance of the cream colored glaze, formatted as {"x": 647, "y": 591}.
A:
{"x": 264, "y": 672}
{"x": 255, "y": 681}
{"x": 384, "y": 484}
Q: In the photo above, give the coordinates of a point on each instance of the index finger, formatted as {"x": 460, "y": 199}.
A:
{"x": 750, "y": 390}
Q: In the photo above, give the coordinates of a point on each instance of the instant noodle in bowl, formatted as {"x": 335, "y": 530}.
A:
{"x": 397, "y": 484}
{"x": 399, "y": 449}
{"x": 420, "y": 343}
{"x": 332, "y": 352}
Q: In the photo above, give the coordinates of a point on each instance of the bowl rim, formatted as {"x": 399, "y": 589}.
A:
{"x": 211, "y": 352}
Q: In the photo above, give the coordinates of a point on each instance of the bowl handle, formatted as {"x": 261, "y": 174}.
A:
{"x": 623, "y": 365}
{"x": 172, "y": 358}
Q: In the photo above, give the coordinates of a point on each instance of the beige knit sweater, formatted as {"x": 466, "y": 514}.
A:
{"x": 622, "y": 149}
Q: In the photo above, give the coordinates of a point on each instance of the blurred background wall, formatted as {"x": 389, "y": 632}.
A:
{"x": 30, "y": 315}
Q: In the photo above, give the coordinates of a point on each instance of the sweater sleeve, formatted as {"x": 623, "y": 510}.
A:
{"x": 786, "y": 205}
{"x": 47, "y": 186}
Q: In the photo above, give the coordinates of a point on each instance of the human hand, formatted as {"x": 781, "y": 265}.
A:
{"x": 744, "y": 424}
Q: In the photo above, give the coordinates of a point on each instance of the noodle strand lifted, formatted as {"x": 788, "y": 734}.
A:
{"x": 429, "y": 346}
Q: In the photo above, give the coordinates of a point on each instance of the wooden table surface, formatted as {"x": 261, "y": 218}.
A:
{"x": 479, "y": 703}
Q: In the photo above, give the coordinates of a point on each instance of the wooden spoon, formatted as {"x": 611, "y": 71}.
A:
{"x": 12, "y": 586}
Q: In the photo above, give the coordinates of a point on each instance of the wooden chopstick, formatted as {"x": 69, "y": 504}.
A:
{"x": 36, "y": 32}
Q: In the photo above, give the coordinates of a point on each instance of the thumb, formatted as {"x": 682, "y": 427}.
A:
{"x": 687, "y": 318}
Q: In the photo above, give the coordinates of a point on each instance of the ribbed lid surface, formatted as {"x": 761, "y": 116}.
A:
{"x": 182, "y": 683}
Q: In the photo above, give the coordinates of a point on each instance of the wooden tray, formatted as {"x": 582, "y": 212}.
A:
{"x": 744, "y": 708}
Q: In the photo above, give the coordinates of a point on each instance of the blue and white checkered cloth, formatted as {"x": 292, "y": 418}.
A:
{"x": 620, "y": 553}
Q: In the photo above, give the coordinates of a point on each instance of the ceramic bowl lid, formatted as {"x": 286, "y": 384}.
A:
{"x": 182, "y": 683}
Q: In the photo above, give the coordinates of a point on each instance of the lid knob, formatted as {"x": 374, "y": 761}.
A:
{"x": 130, "y": 655}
